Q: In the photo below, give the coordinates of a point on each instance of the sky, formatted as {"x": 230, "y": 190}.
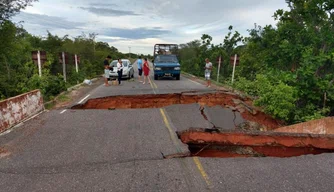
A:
{"x": 140, "y": 24}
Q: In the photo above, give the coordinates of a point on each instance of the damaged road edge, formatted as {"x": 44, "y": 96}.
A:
{"x": 210, "y": 99}
{"x": 223, "y": 143}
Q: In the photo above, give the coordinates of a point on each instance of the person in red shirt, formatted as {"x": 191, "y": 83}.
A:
{"x": 146, "y": 69}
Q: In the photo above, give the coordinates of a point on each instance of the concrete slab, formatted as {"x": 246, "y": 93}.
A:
{"x": 223, "y": 117}
{"x": 185, "y": 116}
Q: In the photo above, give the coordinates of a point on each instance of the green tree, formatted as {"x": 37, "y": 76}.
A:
{"x": 8, "y": 8}
{"x": 288, "y": 68}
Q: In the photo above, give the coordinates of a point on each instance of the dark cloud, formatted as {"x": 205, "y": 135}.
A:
{"x": 47, "y": 22}
{"x": 108, "y": 11}
{"x": 136, "y": 33}
{"x": 205, "y": 11}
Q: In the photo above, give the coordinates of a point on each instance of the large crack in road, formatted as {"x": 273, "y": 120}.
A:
{"x": 205, "y": 116}
{"x": 251, "y": 138}
{"x": 226, "y": 100}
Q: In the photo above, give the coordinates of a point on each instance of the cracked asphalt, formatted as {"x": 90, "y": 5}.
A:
{"x": 122, "y": 150}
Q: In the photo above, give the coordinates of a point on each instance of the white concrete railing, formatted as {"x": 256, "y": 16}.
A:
{"x": 16, "y": 109}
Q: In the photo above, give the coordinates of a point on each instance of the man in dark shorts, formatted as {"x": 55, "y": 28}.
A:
{"x": 140, "y": 68}
{"x": 106, "y": 70}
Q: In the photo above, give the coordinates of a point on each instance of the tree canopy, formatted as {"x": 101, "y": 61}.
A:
{"x": 288, "y": 68}
{"x": 18, "y": 73}
{"x": 9, "y": 8}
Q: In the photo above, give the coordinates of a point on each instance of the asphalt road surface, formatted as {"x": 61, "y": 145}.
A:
{"x": 122, "y": 150}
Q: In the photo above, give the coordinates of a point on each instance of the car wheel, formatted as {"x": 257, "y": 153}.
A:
{"x": 155, "y": 77}
{"x": 178, "y": 77}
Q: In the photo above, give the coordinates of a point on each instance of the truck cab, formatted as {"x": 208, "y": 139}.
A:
{"x": 166, "y": 62}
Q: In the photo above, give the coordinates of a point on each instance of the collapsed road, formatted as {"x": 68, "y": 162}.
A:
{"x": 216, "y": 142}
{"x": 155, "y": 138}
{"x": 231, "y": 102}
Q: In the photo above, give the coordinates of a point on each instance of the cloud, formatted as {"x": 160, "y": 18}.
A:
{"x": 203, "y": 11}
{"x": 109, "y": 11}
{"x": 141, "y": 23}
{"x": 110, "y": 39}
{"x": 138, "y": 45}
{"x": 100, "y": 4}
{"x": 136, "y": 33}
{"x": 47, "y": 22}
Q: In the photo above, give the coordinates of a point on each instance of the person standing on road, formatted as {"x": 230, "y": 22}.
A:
{"x": 146, "y": 69}
{"x": 208, "y": 68}
{"x": 119, "y": 70}
{"x": 106, "y": 70}
{"x": 140, "y": 68}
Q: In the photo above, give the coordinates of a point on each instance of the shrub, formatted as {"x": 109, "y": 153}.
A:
{"x": 49, "y": 85}
{"x": 276, "y": 98}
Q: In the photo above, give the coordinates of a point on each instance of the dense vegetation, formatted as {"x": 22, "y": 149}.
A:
{"x": 18, "y": 73}
{"x": 288, "y": 68}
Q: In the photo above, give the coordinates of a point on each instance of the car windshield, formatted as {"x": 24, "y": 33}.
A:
{"x": 125, "y": 64}
{"x": 114, "y": 63}
{"x": 166, "y": 59}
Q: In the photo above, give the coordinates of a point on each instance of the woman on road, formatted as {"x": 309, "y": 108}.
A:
{"x": 146, "y": 69}
{"x": 106, "y": 71}
{"x": 119, "y": 70}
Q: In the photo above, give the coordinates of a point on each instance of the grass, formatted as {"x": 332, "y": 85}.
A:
{"x": 225, "y": 85}
{"x": 52, "y": 101}
{"x": 49, "y": 105}
{"x": 63, "y": 98}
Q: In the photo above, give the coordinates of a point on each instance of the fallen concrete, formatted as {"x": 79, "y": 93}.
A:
{"x": 320, "y": 126}
{"x": 217, "y": 143}
{"x": 16, "y": 109}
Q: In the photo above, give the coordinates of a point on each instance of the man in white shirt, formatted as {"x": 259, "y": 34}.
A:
{"x": 119, "y": 70}
{"x": 208, "y": 68}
